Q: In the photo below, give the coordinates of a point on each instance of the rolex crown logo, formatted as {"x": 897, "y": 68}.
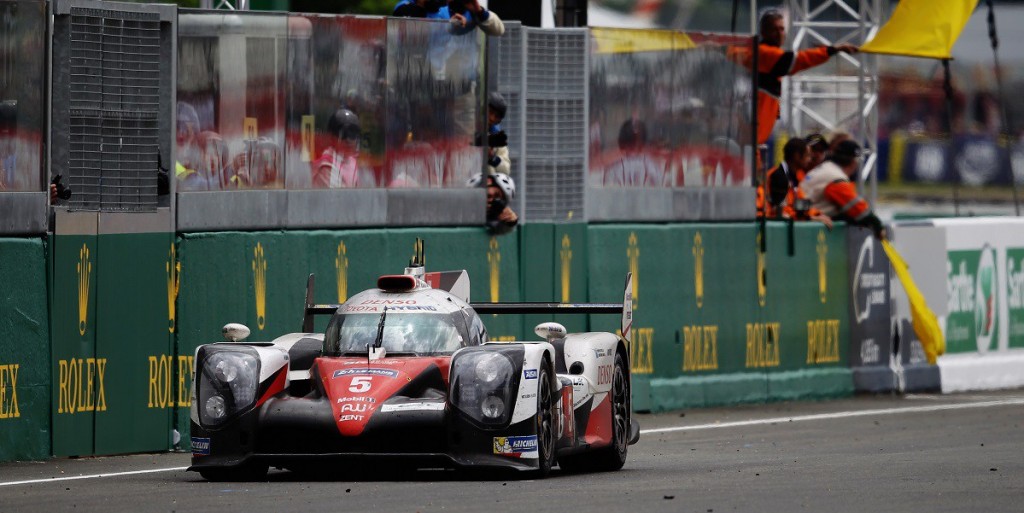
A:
{"x": 173, "y": 269}
{"x": 633, "y": 253}
{"x": 341, "y": 269}
{"x": 494, "y": 263}
{"x": 762, "y": 274}
{"x": 259, "y": 275}
{"x": 566, "y": 259}
{"x": 84, "y": 274}
{"x": 822, "y": 267}
{"x": 698, "y": 269}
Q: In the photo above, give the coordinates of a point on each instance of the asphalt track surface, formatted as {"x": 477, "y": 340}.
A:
{"x": 928, "y": 453}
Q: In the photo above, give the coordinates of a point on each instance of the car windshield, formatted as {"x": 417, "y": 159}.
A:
{"x": 416, "y": 333}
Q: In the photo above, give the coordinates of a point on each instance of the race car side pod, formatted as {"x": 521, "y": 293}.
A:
{"x": 625, "y": 308}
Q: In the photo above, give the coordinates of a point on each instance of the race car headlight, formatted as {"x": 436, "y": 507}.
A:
{"x": 484, "y": 383}
{"x": 488, "y": 367}
{"x": 227, "y": 383}
{"x": 492, "y": 407}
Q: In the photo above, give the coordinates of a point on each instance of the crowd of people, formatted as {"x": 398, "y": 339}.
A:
{"x": 813, "y": 182}
{"x": 816, "y": 181}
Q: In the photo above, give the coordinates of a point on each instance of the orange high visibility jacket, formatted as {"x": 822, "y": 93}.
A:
{"x": 831, "y": 191}
{"x": 777, "y": 180}
{"x": 773, "y": 63}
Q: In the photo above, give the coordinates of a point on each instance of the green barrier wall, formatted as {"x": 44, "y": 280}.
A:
{"x": 706, "y": 332}
{"x": 127, "y": 312}
{"x": 259, "y": 279}
{"x": 133, "y": 338}
{"x": 112, "y": 352}
{"x": 554, "y": 262}
{"x": 24, "y": 351}
{"x": 74, "y": 369}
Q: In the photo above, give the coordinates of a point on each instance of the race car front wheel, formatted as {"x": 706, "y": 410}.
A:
{"x": 546, "y": 435}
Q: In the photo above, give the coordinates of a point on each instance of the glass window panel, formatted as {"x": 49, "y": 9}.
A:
{"x": 336, "y": 106}
{"x": 667, "y": 109}
{"x": 231, "y": 101}
{"x": 22, "y": 86}
{"x": 433, "y": 99}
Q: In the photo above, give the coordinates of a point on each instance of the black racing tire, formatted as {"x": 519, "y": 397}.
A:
{"x": 612, "y": 457}
{"x": 245, "y": 472}
{"x": 545, "y": 420}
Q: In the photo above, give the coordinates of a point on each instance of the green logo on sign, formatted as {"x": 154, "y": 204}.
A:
{"x": 1015, "y": 295}
{"x": 973, "y": 320}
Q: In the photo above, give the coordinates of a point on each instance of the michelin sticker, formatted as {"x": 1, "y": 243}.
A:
{"x": 516, "y": 446}
{"x": 200, "y": 446}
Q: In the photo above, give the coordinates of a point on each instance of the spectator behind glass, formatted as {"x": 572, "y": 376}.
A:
{"x": 635, "y": 168}
{"x": 500, "y": 191}
{"x": 339, "y": 166}
{"x": 188, "y": 153}
{"x": 8, "y": 133}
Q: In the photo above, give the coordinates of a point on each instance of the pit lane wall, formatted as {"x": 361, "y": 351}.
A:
{"x": 977, "y": 291}
{"x": 717, "y": 321}
{"x": 24, "y": 350}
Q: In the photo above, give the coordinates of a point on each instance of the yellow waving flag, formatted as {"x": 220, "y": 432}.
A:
{"x": 922, "y": 28}
{"x": 926, "y": 326}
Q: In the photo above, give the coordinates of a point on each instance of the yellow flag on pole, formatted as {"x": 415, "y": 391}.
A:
{"x": 926, "y": 325}
{"x": 922, "y": 28}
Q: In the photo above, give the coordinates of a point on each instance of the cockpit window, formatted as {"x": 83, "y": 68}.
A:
{"x": 412, "y": 333}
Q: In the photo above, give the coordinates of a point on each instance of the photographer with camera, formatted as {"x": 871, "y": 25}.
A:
{"x": 58, "y": 190}
{"x": 784, "y": 197}
{"x": 500, "y": 187}
{"x": 464, "y": 15}
{"x": 500, "y": 191}
{"x": 498, "y": 159}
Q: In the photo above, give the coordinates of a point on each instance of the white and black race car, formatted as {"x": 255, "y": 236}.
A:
{"x": 405, "y": 375}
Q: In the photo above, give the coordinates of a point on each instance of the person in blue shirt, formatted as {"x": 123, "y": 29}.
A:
{"x": 465, "y": 15}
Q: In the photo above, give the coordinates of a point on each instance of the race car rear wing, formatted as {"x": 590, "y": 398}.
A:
{"x": 625, "y": 308}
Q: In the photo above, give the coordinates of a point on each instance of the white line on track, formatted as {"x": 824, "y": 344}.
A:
{"x": 836, "y": 415}
{"x": 92, "y": 476}
{"x": 757, "y": 422}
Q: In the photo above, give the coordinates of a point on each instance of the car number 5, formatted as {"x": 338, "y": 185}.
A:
{"x": 360, "y": 384}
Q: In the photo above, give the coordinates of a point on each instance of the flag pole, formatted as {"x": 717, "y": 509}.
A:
{"x": 1004, "y": 113}
{"x": 947, "y": 86}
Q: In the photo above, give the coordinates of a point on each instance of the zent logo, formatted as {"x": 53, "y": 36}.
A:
{"x": 530, "y": 373}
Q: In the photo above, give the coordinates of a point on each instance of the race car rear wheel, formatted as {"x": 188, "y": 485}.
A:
{"x": 612, "y": 457}
{"x": 546, "y": 436}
